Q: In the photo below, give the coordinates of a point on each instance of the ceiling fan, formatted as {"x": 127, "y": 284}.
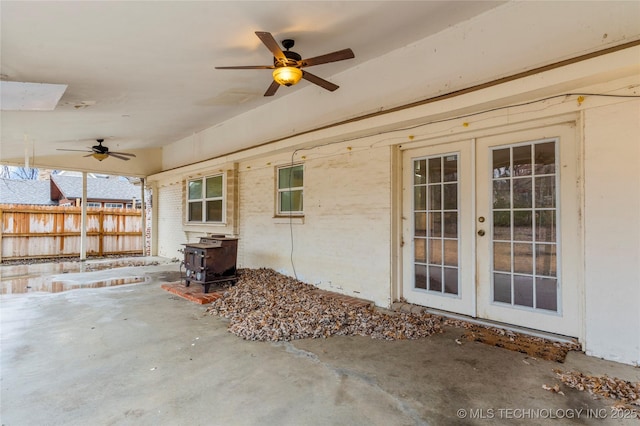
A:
{"x": 100, "y": 152}
{"x": 287, "y": 66}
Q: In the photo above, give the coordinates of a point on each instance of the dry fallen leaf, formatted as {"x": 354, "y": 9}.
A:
{"x": 266, "y": 305}
{"x": 609, "y": 387}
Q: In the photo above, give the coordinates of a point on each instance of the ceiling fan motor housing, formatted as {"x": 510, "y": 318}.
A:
{"x": 99, "y": 148}
{"x": 292, "y": 59}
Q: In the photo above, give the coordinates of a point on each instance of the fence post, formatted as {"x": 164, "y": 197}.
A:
{"x": 101, "y": 232}
{"x": 58, "y": 227}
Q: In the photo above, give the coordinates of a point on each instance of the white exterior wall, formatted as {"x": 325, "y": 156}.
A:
{"x": 343, "y": 242}
{"x": 612, "y": 232}
{"x": 173, "y": 229}
{"x": 170, "y": 231}
{"x": 346, "y": 240}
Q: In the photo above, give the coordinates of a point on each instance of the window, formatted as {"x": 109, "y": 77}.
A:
{"x": 93, "y": 204}
{"x": 114, "y": 205}
{"x": 290, "y": 188}
{"x": 206, "y": 199}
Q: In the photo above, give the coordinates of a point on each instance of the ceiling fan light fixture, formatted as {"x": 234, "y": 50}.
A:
{"x": 287, "y": 76}
{"x": 99, "y": 156}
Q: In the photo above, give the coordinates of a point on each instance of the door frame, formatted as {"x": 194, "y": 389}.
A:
{"x": 464, "y": 302}
{"x": 402, "y": 239}
{"x": 568, "y": 318}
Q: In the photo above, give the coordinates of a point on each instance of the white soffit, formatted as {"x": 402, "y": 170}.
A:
{"x": 17, "y": 96}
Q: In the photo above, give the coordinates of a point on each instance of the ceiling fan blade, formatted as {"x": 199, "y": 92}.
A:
{"x": 75, "y": 150}
{"x": 248, "y": 67}
{"x": 272, "y": 88}
{"x": 340, "y": 55}
{"x": 271, "y": 44}
{"x": 118, "y": 156}
{"x": 319, "y": 81}
{"x": 88, "y": 155}
{"x": 126, "y": 154}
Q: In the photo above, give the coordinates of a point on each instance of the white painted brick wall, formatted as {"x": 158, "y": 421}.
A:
{"x": 612, "y": 232}
{"x": 170, "y": 229}
{"x": 344, "y": 243}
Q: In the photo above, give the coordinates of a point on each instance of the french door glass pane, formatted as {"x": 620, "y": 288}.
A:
{"x": 450, "y": 168}
{"x": 435, "y": 251}
{"x": 451, "y": 252}
{"x": 420, "y": 172}
{"x": 451, "y": 280}
{"x": 420, "y": 198}
{"x": 523, "y": 290}
{"x": 435, "y": 224}
{"x": 502, "y": 288}
{"x": 501, "y": 225}
{"x": 522, "y": 193}
{"x": 501, "y": 163}
{"x": 435, "y": 278}
{"x": 435, "y": 210}
{"x": 524, "y": 221}
{"x": 522, "y": 160}
{"x": 451, "y": 225}
{"x": 547, "y": 293}
{"x": 435, "y": 170}
{"x": 450, "y": 196}
{"x": 546, "y": 191}
{"x": 420, "y": 224}
{"x": 502, "y": 257}
{"x": 435, "y": 197}
{"x": 546, "y": 226}
{"x": 420, "y": 277}
{"x": 523, "y": 258}
{"x": 420, "y": 249}
{"x": 545, "y": 158}
{"x": 546, "y": 259}
{"x": 501, "y": 193}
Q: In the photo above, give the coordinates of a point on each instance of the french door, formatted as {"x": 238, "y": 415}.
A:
{"x": 491, "y": 228}
{"x": 438, "y": 220}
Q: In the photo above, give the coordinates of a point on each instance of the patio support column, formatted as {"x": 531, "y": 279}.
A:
{"x": 143, "y": 217}
{"x": 154, "y": 218}
{"x": 83, "y": 219}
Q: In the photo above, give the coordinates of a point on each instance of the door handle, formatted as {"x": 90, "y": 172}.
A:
{"x": 481, "y": 232}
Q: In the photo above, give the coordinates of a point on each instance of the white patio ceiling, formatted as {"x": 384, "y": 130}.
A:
{"x": 141, "y": 74}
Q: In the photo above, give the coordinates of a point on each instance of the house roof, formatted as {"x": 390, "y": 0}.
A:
{"x": 97, "y": 188}
{"x": 25, "y": 191}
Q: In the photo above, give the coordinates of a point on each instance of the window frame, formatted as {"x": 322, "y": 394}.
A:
{"x": 203, "y": 200}
{"x": 279, "y": 211}
{"x": 110, "y": 205}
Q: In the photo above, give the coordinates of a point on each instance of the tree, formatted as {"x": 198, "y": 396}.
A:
{"x": 12, "y": 172}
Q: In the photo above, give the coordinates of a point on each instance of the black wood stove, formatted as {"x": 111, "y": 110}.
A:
{"x": 210, "y": 261}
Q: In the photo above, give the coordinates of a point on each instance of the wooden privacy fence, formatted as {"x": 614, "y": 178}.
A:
{"x": 54, "y": 231}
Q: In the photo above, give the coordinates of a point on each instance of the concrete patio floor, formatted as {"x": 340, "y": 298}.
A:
{"x": 137, "y": 355}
